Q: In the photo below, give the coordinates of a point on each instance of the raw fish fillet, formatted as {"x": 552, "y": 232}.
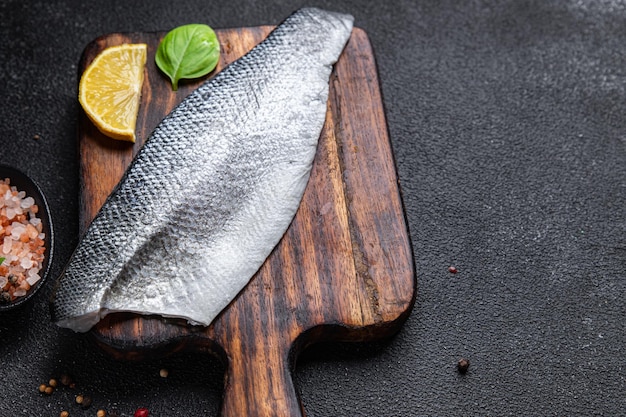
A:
{"x": 214, "y": 188}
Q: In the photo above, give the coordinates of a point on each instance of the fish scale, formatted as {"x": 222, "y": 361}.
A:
{"x": 213, "y": 189}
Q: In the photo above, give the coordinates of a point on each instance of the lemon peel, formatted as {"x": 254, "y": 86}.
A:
{"x": 109, "y": 90}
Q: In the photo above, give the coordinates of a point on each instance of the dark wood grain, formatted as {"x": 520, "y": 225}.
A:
{"x": 344, "y": 269}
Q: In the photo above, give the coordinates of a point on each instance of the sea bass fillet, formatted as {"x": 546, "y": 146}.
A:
{"x": 213, "y": 189}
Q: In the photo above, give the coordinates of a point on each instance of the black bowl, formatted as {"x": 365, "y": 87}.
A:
{"x": 26, "y": 184}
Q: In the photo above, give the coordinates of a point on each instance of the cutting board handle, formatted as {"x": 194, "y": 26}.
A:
{"x": 259, "y": 384}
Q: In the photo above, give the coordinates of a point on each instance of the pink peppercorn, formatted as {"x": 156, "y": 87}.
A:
{"x": 452, "y": 270}
{"x": 141, "y": 412}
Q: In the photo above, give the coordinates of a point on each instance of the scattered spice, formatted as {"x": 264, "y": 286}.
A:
{"x": 36, "y": 136}
{"x": 84, "y": 401}
{"x": 163, "y": 373}
{"x": 141, "y": 412}
{"x": 452, "y": 269}
{"x": 463, "y": 365}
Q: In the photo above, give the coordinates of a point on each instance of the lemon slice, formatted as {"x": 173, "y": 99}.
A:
{"x": 110, "y": 89}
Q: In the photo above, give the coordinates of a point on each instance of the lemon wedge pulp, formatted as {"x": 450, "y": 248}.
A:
{"x": 110, "y": 89}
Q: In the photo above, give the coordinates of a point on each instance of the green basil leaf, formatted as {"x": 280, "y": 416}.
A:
{"x": 188, "y": 51}
{"x": 1, "y": 260}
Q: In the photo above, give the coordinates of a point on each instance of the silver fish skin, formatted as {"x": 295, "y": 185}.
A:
{"x": 213, "y": 189}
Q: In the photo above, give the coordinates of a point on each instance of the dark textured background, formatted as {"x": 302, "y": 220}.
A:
{"x": 508, "y": 122}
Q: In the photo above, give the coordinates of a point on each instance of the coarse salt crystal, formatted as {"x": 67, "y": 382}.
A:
{"x": 27, "y": 202}
{"x": 33, "y": 279}
{"x": 26, "y": 263}
{"x": 3, "y": 281}
{"x": 31, "y": 231}
{"x": 17, "y": 230}
{"x": 25, "y": 251}
{"x": 7, "y": 244}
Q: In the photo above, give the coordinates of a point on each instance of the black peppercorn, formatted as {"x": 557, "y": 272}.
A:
{"x": 86, "y": 403}
{"x": 463, "y": 365}
{"x": 66, "y": 379}
{"x": 5, "y": 297}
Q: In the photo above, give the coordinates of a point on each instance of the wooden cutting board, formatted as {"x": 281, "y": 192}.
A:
{"x": 344, "y": 269}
